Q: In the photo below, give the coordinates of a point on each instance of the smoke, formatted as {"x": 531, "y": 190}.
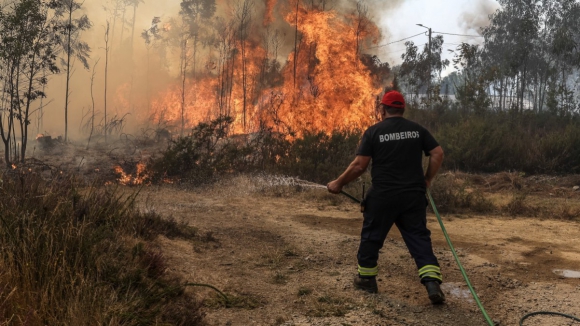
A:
{"x": 477, "y": 17}
{"x": 126, "y": 72}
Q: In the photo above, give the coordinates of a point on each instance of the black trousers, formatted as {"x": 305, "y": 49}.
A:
{"x": 408, "y": 212}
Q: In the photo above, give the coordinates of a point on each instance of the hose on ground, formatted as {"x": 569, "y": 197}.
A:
{"x": 473, "y": 293}
{"x": 211, "y": 287}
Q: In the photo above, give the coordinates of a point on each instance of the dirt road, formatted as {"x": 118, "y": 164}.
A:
{"x": 289, "y": 259}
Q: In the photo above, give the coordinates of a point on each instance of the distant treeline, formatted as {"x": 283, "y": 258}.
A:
{"x": 529, "y": 60}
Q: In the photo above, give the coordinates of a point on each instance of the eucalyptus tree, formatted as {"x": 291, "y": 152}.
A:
{"x": 29, "y": 44}
{"x": 194, "y": 16}
{"x": 531, "y": 51}
{"x": 153, "y": 37}
{"x": 243, "y": 11}
{"x": 562, "y": 21}
{"x": 512, "y": 43}
{"x": 74, "y": 48}
{"x": 135, "y": 4}
{"x": 418, "y": 68}
{"x": 470, "y": 82}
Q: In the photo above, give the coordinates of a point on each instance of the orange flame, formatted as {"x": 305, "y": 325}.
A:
{"x": 140, "y": 177}
{"x": 324, "y": 85}
{"x": 269, "y": 15}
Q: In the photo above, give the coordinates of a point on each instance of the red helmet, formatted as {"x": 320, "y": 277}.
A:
{"x": 394, "y": 99}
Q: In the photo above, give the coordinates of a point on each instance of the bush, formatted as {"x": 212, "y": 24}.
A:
{"x": 207, "y": 153}
{"x": 202, "y": 155}
{"x": 453, "y": 195}
{"x": 83, "y": 256}
{"x": 319, "y": 157}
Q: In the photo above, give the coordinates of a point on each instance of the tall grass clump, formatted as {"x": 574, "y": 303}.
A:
{"x": 454, "y": 195}
{"x": 84, "y": 256}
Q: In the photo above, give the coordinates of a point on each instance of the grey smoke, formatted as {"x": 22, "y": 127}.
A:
{"x": 478, "y": 16}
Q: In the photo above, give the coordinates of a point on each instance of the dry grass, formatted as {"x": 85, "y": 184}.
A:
{"x": 75, "y": 255}
{"x": 510, "y": 194}
{"x": 327, "y": 305}
{"x": 453, "y": 194}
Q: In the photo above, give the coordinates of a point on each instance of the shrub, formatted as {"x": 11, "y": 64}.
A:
{"x": 202, "y": 155}
{"x": 319, "y": 157}
{"x": 207, "y": 153}
{"x": 453, "y": 195}
{"x": 83, "y": 256}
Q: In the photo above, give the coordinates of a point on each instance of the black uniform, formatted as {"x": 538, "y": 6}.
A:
{"x": 397, "y": 195}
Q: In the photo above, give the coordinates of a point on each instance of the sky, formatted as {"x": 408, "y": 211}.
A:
{"x": 448, "y": 16}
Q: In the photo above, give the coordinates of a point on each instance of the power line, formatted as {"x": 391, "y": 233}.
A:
{"x": 410, "y": 37}
{"x": 395, "y": 51}
{"x": 458, "y": 34}
{"x": 401, "y": 40}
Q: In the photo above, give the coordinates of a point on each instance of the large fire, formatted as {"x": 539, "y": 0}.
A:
{"x": 323, "y": 86}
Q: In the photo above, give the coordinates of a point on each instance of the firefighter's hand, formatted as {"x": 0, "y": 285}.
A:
{"x": 334, "y": 187}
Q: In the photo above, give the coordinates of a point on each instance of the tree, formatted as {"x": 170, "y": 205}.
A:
{"x": 418, "y": 68}
{"x": 29, "y": 41}
{"x": 471, "y": 89}
{"x": 194, "y": 15}
{"x": 73, "y": 27}
{"x": 152, "y": 37}
{"x": 530, "y": 53}
{"x": 243, "y": 15}
{"x": 107, "y": 50}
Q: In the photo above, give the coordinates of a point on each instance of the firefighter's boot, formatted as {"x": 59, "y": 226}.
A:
{"x": 368, "y": 284}
{"x": 434, "y": 291}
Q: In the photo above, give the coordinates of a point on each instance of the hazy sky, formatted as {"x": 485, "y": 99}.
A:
{"x": 449, "y": 16}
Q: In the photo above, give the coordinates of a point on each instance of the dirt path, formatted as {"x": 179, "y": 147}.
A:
{"x": 290, "y": 260}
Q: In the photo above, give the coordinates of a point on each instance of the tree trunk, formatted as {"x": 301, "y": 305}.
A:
{"x": 25, "y": 116}
{"x": 106, "y": 76}
{"x": 183, "y": 79}
{"x": 296, "y": 42}
{"x": 135, "y": 5}
{"x": 122, "y": 25}
{"x": 68, "y": 55}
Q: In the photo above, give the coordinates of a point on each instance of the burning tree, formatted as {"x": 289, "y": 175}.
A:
{"x": 331, "y": 88}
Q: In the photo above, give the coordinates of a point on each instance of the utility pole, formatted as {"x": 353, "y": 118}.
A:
{"x": 430, "y": 64}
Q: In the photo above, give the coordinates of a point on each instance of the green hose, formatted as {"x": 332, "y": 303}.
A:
{"x": 473, "y": 293}
{"x": 475, "y": 297}
{"x": 547, "y": 313}
{"x": 485, "y": 315}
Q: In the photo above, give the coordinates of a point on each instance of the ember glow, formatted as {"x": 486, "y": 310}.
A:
{"x": 323, "y": 86}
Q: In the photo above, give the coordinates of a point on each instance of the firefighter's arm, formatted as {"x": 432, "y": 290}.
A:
{"x": 354, "y": 170}
{"x": 435, "y": 159}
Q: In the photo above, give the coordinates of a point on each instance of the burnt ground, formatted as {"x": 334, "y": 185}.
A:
{"x": 288, "y": 258}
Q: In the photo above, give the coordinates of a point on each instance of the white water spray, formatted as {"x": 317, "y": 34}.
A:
{"x": 276, "y": 180}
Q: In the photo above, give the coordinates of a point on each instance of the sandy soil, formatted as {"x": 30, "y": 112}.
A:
{"x": 288, "y": 258}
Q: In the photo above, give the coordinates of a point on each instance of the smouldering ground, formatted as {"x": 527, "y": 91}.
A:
{"x": 288, "y": 258}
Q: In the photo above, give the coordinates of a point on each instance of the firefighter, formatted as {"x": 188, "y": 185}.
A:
{"x": 397, "y": 196}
